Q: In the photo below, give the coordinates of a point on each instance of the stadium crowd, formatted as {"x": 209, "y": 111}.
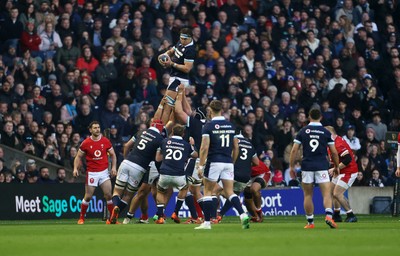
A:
{"x": 65, "y": 64}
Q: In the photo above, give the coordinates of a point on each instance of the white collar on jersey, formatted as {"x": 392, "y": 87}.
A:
{"x": 154, "y": 129}
{"x": 218, "y": 118}
{"x": 315, "y": 124}
{"x": 176, "y": 137}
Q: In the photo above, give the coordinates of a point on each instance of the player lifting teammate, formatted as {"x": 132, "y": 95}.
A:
{"x": 174, "y": 152}
{"x": 136, "y": 165}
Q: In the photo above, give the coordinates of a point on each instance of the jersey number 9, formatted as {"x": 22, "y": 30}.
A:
{"x": 314, "y": 144}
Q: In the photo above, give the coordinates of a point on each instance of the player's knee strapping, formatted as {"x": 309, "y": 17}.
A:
{"x": 170, "y": 101}
{"x": 119, "y": 184}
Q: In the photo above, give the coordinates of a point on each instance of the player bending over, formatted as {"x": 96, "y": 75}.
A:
{"x": 348, "y": 174}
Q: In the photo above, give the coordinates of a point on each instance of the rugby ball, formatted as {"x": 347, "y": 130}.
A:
{"x": 164, "y": 58}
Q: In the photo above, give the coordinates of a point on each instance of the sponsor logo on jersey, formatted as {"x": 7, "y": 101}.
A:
{"x": 217, "y": 126}
{"x": 97, "y": 153}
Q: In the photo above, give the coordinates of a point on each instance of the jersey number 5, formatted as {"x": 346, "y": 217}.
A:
{"x": 142, "y": 144}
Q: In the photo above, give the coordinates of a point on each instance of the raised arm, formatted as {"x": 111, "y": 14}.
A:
{"x": 180, "y": 114}
{"x": 128, "y": 146}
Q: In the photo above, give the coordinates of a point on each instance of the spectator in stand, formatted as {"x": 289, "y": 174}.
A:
{"x": 87, "y": 61}
{"x": 44, "y": 176}
{"x": 11, "y": 29}
{"x": 67, "y": 55}
{"x": 68, "y": 111}
{"x": 30, "y": 40}
{"x": 351, "y": 139}
{"x": 376, "y": 180}
{"x": 377, "y": 125}
{"x": 105, "y": 75}
{"x": 360, "y": 180}
{"x": 61, "y": 176}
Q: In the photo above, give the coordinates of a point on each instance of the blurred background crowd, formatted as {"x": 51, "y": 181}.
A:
{"x": 65, "y": 63}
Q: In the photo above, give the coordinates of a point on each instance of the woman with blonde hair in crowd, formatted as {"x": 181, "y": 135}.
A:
{"x": 346, "y": 26}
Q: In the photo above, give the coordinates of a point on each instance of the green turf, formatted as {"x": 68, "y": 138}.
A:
{"x": 372, "y": 235}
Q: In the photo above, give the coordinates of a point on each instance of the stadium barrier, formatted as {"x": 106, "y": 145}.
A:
{"x": 55, "y": 201}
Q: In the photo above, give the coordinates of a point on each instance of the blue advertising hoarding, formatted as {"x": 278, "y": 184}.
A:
{"x": 55, "y": 201}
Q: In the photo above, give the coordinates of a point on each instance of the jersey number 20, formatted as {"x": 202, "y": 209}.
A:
{"x": 173, "y": 154}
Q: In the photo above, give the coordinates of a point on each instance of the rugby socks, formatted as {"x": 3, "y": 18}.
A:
{"x": 226, "y": 207}
{"x": 178, "y": 205}
{"x": 110, "y": 206}
{"x": 310, "y": 219}
{"x": 199, "y": 209}
{"x": 214, "y": 207}
{"x": 350, "y": 213}
{"x": 189, "y": 200}
{"x": 328, "y": 212}
{"x": 236, "y": 203}
{"x": 336, "y": 212}
{"x": 130, "y": 215}
{"x": 144, "y": 216}
{"x": 121, "y": 205}
{"x": 116, "y": 199}
{"x": 207, "y": 208}
{"x": 84, "y": 207}
{"x": 160, "y": 210}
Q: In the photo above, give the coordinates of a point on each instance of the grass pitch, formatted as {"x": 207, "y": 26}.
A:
{"x": 372, "y": 235}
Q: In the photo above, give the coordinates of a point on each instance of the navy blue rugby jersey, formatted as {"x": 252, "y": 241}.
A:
{"x": 182, "y": 53}
{"x": 244, "y": 159}
{"x": 315, "y": 140}
{"x": 221, "y": 133}
{"x": 175, "y": 153}
{"x": 194, "y": 128}
{"x": 145, "y": 147}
